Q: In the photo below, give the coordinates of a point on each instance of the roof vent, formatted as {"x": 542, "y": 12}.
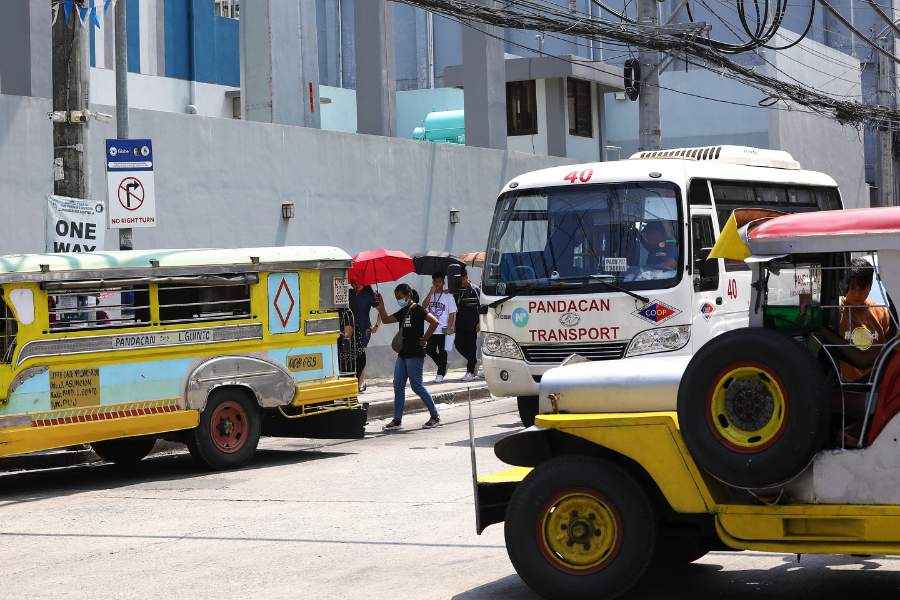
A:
{"x": 734, "y": 155}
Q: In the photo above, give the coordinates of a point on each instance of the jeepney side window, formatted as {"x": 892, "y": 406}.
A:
{"x": 9, "y": 327}
{"x": 99, "y": 308}
{"x": 200, "y": 302}
{"x": 703, "y": 236}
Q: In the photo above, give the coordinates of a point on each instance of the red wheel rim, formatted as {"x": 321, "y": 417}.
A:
{"x": 613, "y": 534}
{"x": 228, "y": 427}
{"x": 709, "y": 413}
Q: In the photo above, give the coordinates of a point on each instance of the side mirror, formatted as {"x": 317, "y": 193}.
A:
{"x": 706, "y": 271}
{"x": 454, "y": 278}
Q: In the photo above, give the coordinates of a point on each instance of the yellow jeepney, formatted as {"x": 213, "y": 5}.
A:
{"x": 210, "y": 347}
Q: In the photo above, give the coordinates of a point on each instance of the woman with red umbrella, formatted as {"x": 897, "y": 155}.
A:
{"x": 411, "y": 358}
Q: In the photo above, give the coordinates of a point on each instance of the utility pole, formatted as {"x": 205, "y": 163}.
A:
{"x": 125, "y": 241}
{"x": 886, "y": 179}
{"x": 650, "y": 136}
{"x": 68, "y": 95}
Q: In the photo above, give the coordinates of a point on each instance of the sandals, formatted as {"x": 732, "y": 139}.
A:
{"x": 394, "y": 425}
{"x": 433, "y": 422}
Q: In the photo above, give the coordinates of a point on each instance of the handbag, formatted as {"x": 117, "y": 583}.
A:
{"x": 397, "y": 342}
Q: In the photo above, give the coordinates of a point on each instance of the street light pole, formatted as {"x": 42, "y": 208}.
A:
{"x": 125, "y": 240}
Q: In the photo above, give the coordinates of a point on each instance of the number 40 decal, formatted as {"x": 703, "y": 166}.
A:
{"x": 583, "y": 176}
{"x": 732, "y": 288}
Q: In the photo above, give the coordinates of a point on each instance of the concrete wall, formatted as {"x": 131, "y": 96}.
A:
{"x": 220, "y": 183}
{"x": 819, "y": 143}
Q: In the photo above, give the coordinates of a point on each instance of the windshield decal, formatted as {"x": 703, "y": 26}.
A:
{"x": 656, "y": 312}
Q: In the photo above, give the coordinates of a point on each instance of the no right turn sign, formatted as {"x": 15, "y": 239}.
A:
{"x": 129, "y": 181}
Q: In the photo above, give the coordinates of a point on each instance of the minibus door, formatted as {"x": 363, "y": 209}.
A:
{"x": 708, "y": 314}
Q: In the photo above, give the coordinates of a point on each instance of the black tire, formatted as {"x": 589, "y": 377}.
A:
{"x": 725, "y": 426}
{"x": 125, "y": 451}
{"x": 550, "y": 494}
{"x": 528, "y": 409}
{"x": 230, "y": 442}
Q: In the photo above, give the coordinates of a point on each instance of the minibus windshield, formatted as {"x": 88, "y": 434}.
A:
{"x": 623, "y": 233}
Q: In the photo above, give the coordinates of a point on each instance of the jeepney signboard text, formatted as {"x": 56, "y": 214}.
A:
{"x": 73, "y": 388}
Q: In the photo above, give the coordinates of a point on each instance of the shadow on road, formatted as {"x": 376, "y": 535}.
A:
{"x": 823, "y": 577}
{"x": 162, "y": 471}
{"x": 510, "y": 587}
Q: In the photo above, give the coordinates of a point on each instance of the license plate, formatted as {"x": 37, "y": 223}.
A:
{"x": 304, "y": 362}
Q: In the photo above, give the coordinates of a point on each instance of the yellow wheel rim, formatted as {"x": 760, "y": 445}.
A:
{"x": 748, "y": 407}
{"x": 579, "y": 531}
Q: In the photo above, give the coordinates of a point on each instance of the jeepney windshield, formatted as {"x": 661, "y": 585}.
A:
{"x": 626, "y": 234}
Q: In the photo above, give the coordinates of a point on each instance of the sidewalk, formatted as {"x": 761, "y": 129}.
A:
{"x": 379, "y": 393}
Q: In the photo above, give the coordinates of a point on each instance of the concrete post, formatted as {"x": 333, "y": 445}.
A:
{"x": 333, "y": 75}
{"x": 376, "y": 67}
{"x": 424, "y": 49}
{"x": 886, "y": 177}
{"x": 126, "y": 241}
{"x": 557, "y": 123}
{"x": 280, "y": 62}
{"x": 601, "y": 122}
{"x": 68, "y": 95}
{"x": 484, "y": 84}
{"x": 650, "y": 136}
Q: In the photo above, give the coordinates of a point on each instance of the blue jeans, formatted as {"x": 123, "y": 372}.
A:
{"x": 410, "y": 368}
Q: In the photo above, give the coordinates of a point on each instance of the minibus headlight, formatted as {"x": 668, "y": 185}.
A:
{"x": 663, "y": 339}
{"x": 497, "y": 344}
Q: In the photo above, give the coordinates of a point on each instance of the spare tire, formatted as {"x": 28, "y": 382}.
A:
{"x": 753, "y": 407}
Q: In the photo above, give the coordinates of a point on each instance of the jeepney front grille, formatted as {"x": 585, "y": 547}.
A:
{"x": 317, "y": 326}
{"x": 556, "y": 353}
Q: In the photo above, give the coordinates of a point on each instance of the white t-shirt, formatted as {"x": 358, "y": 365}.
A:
{"x": 442, "y": 306}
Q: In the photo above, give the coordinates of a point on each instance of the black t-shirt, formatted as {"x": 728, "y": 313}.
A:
{"x": 413, "y": 328}
{"x": 467, "y": 307}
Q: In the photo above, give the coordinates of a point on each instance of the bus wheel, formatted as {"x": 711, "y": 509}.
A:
{"x": 580, "y": 527}
{"x": 528, "y": 409}
{"x": 125, "y": 451}
{"x": 753, "y": 407}
{"x": 228, "y": 432}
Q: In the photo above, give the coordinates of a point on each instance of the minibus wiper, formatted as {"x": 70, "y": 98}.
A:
{"x": 531, "y": 288}
{"x": 613, "y": 286}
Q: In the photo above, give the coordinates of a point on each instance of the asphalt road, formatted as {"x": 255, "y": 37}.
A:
{"x": 386, "y": 517}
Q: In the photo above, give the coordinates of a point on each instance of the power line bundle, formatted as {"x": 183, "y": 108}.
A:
{"x": 684, "y": 42}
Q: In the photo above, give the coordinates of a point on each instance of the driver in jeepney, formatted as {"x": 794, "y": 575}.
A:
{"x": 661, "y": 250}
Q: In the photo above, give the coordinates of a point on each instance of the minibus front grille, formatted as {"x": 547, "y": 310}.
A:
{"x": 556, "y": 353}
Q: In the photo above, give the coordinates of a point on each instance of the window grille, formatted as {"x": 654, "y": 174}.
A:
{"x": 521, "y": 108}
{"x": 8, "y": 334}
{"x": 195, "y": 303}
{"x": 581, "y": 118}
{"x": 100, "y": 308}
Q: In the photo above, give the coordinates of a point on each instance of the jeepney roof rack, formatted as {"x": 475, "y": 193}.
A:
{"x": 161, "y": 265}
{"x": 734, "y": 155}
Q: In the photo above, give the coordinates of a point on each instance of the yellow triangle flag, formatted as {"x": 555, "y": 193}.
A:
{"x": 730, "y": 244}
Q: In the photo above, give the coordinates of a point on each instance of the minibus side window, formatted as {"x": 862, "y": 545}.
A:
{"x": 196, "y": 303}
{"x": 9, "y": 327}
{"x": 102, "y": 308}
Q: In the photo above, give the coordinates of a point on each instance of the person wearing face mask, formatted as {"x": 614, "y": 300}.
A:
{"x": 411, "y": 358}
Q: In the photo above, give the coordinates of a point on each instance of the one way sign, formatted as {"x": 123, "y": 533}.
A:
{"x": 129, "y": 180}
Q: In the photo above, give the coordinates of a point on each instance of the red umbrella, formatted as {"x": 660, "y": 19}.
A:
{"x": 378, "y": 266}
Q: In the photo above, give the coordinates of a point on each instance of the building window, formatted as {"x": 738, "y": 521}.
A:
{"x": 581, "y": 118}
{"x": 521, "y": 108}
{"x": 228, "y": 8}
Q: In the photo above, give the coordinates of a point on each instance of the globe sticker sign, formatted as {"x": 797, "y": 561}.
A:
{"x": 130, "y": 191}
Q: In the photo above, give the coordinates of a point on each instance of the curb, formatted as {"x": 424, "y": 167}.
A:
{"x": 385, "y": 408}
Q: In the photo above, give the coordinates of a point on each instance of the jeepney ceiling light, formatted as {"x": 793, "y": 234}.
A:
{"x": 454, "y": 216}
{"x": 287, "y": 210}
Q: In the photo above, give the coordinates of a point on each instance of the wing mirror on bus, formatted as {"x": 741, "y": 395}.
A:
{"x": 706, "y": 271}
{"x": 454, "y": 278}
